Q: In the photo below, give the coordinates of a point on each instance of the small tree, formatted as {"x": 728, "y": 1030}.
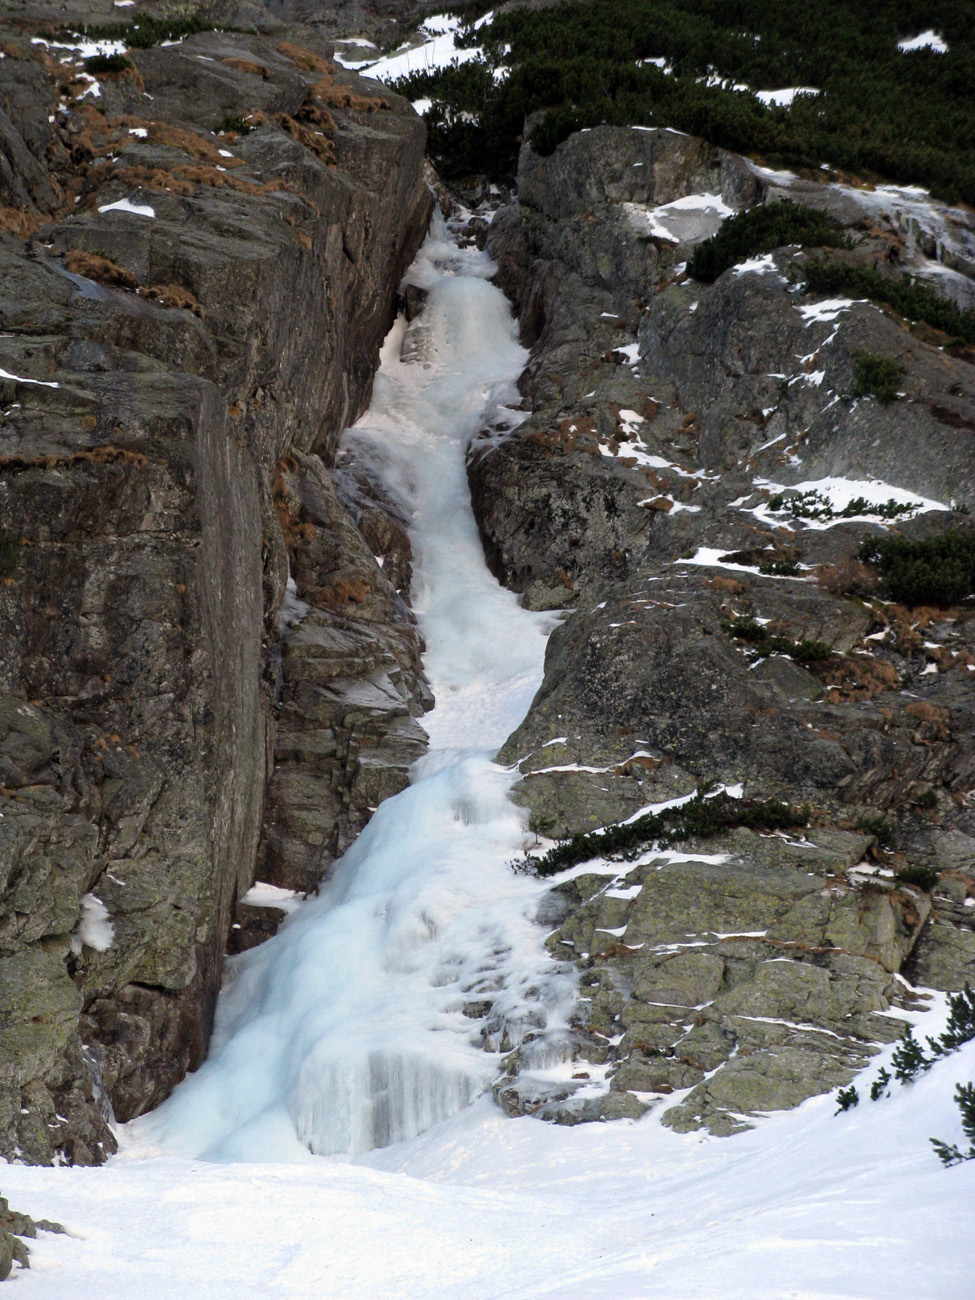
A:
{"x": 965, "y": 1101}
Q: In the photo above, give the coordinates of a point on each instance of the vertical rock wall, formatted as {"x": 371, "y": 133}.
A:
{"x": 183, "y": 314}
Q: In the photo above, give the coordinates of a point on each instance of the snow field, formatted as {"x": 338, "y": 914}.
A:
{"x": 808, "y": 1206}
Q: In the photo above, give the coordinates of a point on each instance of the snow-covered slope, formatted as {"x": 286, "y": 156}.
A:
{"x": 852, "y": 1207}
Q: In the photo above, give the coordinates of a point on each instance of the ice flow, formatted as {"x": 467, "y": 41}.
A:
{"x": 363, "y": 1021}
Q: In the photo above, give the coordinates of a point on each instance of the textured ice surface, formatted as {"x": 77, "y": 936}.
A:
{"x": 348, "y": 1029}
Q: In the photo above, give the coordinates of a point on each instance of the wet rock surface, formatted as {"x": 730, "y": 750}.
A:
{"x": 189, "y": 321}
{"x": 747, "y": 971}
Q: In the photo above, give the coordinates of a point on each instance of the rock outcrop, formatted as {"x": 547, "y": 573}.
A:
{"x": 13, "y": 1227}
{"x": 747, "y": 971}
{"x": 189, "y": 321}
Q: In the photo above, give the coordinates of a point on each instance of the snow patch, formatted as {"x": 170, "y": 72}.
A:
{"x": 126, "y": 205}
{"x": 261, "y": 894}
{"x": 94, "y": 929}
{"x": 764, "y": 265}
{"x": 929, "y": 40}
{"x": 784, "y": 98}
{"x": 689, "y": 219}
{"x": 21, "y": 379}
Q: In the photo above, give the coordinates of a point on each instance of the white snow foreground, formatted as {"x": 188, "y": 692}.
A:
{"x": 851, "y": 1207}
{"x": 346, "y": 1031}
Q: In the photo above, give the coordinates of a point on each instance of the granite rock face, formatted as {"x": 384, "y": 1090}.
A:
{"x": 189, "y": 321}
{"x": 744, "y": 971}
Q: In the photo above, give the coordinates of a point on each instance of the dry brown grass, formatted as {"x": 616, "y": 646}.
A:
{"x": 313, "y": 140}
{"x": 329, "y": 92}
{"x": 355, "y": 592}
{"x": 576, "y": 433}
{"x": 934, "y": 721}
{"x": 212, "y": 176}
{"x": 856, "y": 677}
{"x": 107, "y": 454}
{"x": 250, "y": 66}
{"x": 303, "y": 58}
{"x": 286, "y": 507}
{"x": 148, "y": 178}
{"x": 19, "y": 222}
{"x": 722, "y": 583}
{"x": 32, "y": 54}
{"x": 848, "y": 577}
{"x": 191, "y": 142}
{"x": 75, "y": 85}
{"x": 638, "y": 765}
{"x": 100, "y": 269}
{"x": 174, "y": 295}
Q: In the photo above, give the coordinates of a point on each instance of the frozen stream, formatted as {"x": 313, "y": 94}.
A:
{"x": 347, "y": 1031}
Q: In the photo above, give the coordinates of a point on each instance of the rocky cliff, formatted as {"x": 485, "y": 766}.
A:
{"x": 716, "y": 632}
{"x": 200, "y": 248}
{"x": 209, "y": 672}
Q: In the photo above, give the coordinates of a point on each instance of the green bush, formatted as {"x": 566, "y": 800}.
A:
{"x": 813, "y": 505}
{"x": 961, "y": 1023}
{"x": 924, "y": 877}
{"x": 965, "y": 1101}
{"x": 913, "y": 301}
{"x": 926, "y": 799}
{"x": 107, "y": 63}
{"x": 878, "y": 1088}
{"x": 146, "y": 30}
{"x": 763, "y": 643}
{"x": 847, "y": 1098}
{"x": 699, "y": 818}
{"x": 908, "y": 1058}
{"x": 939, "y": 571}
{"x": 232, "y": 122}
{"x": 876, "y": 376}
{"x": 760, "y": 230}
{"x": 883, "y": 831}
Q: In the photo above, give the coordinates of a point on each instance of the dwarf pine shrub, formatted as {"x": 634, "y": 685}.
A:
{"x": 573, "y": 65}
{"x": 760, "y": 230}
{"x": 9, "y": 554}
{"x": 847, "y": 1098}
{"x": 965, "y": 1101}
{"x": 923, "y": 877}
{"x": 876, "y": 376}
{"x": 938, "y": 571}
{"x": 913, "y": 301}
{"x": 700, "y": 818}
{"x": 763, "y": 643}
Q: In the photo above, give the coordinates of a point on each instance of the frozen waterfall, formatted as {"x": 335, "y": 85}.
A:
{"x": 353, "y": 1027}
